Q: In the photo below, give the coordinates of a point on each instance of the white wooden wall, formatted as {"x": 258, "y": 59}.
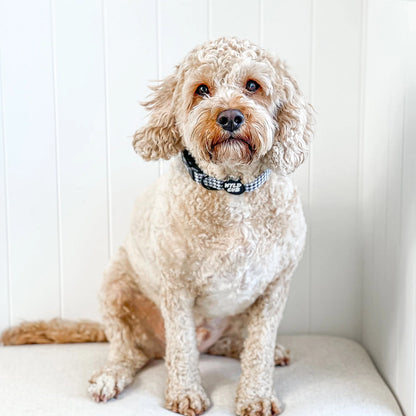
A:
{"x": 72, "y": 73}
{"x": 388, "y": 193}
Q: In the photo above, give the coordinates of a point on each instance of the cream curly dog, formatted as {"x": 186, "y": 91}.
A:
{"x": 206, "y": 266}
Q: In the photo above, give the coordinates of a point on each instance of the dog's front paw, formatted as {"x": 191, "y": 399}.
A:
{"x": 259, "y": 407}
{"x": 281, "y": 356}
{"x": 188, "y": 402}
{"x": 108, "y": 383}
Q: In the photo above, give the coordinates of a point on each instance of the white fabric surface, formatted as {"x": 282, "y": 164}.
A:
{"x": 328, "y": 376}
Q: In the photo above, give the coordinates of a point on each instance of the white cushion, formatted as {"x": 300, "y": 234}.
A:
{"x": 328, "y": 376}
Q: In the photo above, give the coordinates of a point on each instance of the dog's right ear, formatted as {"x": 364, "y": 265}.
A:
{"x": 159, "y": 138}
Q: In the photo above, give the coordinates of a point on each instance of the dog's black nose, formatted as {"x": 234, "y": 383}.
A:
{"x": 230, "y": 120}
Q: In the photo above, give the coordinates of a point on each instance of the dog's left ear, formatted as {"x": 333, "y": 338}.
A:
{"x": 159, "y": 138}
{"x": 294, "y": 119}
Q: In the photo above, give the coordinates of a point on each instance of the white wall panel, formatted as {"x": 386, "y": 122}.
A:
{"x": 380, "y": 289}
{"x": 4, "y": 261}
{"x": 291, "y": 41}
{"x": 374, "y": 195}
{"x": 235, "y": 18}
{"x": 81, "y": 129}
{"x": 406, "y": 276}
{"x": 289, "y": 38}
{"x": 335, "y": 272}
{"x": 182, "y": 25}
{"x": 29, "y": 128}
{"x": 131, "y": 63}
{"x": 389, "y": 190}
{"x": 406, "y": 272}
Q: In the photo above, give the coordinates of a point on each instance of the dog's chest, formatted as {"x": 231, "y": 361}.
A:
{"x": 224, "y": 249}
{"x": 231, "y": 288}
{"x": 236, "y": 263}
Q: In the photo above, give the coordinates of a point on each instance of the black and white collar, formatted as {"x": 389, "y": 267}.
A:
{"x": 234, "y": 187}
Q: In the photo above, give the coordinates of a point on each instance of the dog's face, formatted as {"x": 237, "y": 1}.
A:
{"x": 226, "y": 105}
{"x": 230, "y": 104}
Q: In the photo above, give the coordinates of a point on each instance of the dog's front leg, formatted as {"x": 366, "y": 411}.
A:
{"x": 255, "y": 392}
{"x": 184, "y": 392}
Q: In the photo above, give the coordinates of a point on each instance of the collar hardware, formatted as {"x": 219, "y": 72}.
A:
{"x": 205, "y": 183}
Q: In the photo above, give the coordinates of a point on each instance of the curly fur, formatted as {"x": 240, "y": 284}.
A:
{"x": 206, "y": 271}
{"x": 159, "y": 139}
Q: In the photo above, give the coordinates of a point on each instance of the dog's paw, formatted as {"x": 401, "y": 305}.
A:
{"x": 281, "y": 356}
{"x": 108, "y": 383}
{"x": 189, "y": 402}
{"x": 259, "y": 407}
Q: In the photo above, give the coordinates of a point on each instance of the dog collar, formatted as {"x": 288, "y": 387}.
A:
{"x": 234, "y": 187}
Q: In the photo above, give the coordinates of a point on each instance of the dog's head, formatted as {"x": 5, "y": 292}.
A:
{"x": 234, "y": 106}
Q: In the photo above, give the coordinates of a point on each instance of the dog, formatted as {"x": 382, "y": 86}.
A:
{"x": 212, "y": 246}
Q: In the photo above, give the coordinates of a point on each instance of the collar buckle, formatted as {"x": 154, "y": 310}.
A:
{"x": 205, "y": 183}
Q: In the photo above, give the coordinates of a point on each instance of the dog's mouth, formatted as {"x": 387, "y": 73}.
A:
{"x": 232, "y": 148}
{"x": 231, "y": 140}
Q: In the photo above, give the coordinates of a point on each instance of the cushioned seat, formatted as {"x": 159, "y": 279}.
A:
{"x": 328, "y": 376}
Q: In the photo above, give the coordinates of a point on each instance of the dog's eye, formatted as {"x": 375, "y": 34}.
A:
{"x": 202, "y": 90}
{"x": 252, "y": 86}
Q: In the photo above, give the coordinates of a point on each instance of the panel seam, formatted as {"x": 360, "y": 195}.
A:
{"x": 209, "y": 18}
{"x": 107, "y": 130}
{"x": 6, "y": 197}
{"x": 401, "y": 246}
{"x": 310, "y": 166}
{"x": 360, "y": 177}
{"x": 261, "y": 23}
{"x": 57, "y": 162}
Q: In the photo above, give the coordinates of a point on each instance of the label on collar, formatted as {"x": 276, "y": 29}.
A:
{"x": 234, "y": 187}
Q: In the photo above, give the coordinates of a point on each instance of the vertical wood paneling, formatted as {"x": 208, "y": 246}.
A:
{"x": 4, "y": 261}
{"x": 389, "y": 288}
{"x": 31, "y": 166}
{"x": 393, "y": 207}
{"x": 235, "y": 18}
{"x": 406, "y": 345}
{"x": 374, "y": 144}
{"x": 291, "y": 41}
{"x": 406, "y": 283}
{"x": 335, "y": 272}
{"x": 178, "y": 35}
{"x": 380, "y": 289}
{"x": 130, "y": 35}
{"x": 81, "y": 127}
{"x": 290, "y": 38}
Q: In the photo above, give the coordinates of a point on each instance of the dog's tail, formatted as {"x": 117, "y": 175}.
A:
{"x": 56, "y": 331}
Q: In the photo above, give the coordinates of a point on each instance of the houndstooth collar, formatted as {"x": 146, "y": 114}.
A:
{"x": 213, "y": 184}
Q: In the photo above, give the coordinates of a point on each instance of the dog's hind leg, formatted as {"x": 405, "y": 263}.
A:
{"x": 126, "y": 313}
{"x": 232, "y": 341}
